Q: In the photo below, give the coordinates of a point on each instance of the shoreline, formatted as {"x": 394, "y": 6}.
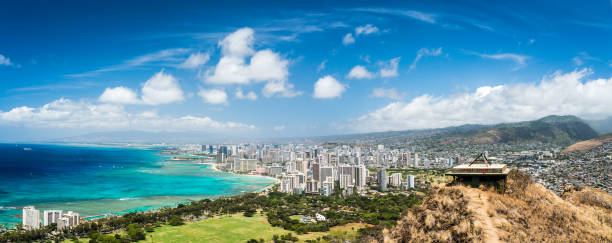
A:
{"x": 145, "y": 204}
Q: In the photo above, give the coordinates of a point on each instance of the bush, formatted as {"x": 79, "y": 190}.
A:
{"x": 249, "y": 212}
{"x": 135, "y": 232}
{"x": 176, "y": 221}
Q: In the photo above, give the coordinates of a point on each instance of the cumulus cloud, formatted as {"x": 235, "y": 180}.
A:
{"x": 425, "y": 52}
{"x": 556, "y": 94}
{"x": 195, "y": 60}
{"x": 389, "y": 68}
{"x": 5, "y": 61}
{"x": 263, "y": 66}
{"x": 359, "y": 72}
{"x": 386, "y": 93}
{"x": 348, "y": 39}
{"x": 162, "y": 88}
{"x": 213, "y": 96}
{"x": 367, "y": 29}
{"x": 279, "y": 128}
{"x": 249, "y": 96}
{"x": 328, "y": 87}
{"x": 65, "y": 113}
{"x": 119, "y": 95}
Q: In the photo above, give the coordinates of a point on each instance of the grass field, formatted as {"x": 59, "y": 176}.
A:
{"x": 235, "y": 228}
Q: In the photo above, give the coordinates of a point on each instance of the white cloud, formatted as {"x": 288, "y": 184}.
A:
{"x": 348, "y": 39}
{"x": 328, "y": 87}
{"x": 5, "y": 61}
{"x": 239, "y": 43}
{"x": 281, "y": 88}
{"x": 582, "y": 57}
{"x": 213, "y": 96}
{"x": 321, "y": 66}
{"x": 195, "y": 60}
{"x": 389, "y": 68}
{"x": 263, "y": 66}
{"x": 367, "y": 29}
{"x": 249, "y": 96}
{"x": 162, "y": 88}
{"x": 577, "y": 61}
{"x": 557, "y": 94}
{"x": 279, "y": 128}
{"x": 156, "y": 58}
{"x": 387, "y": 93}
{"x": 119, "y": 95}
{"x": 424, "y": 52}
{"x": 418, "y": 15}
{"x": 359, "y": 72}
{"x": 64, "y": 113}
{"x": 520, "y": 60}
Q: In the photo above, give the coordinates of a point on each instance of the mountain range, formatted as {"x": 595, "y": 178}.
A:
{"x": 561, "y": 130}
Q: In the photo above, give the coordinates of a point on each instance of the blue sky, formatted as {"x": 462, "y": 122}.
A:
{"x": 315, "y": 68}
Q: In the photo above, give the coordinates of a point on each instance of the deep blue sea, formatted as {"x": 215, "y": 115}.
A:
{"x": 99, "y": 180}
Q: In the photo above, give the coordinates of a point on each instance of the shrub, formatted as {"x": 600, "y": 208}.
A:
{"x": 176, "y": 221}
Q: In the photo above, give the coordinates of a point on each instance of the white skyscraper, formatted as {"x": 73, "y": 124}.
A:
{"x": 409, "y": 181}
{"x": 68, "y": 220}
{"x": 345, "y": 181}
{"x": 31, "y": 217}
{"x": 396, "y": 179}
{"x": 51, "y": 216}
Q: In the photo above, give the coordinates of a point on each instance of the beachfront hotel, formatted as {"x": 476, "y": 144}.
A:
{"x": 31, "y": 217}
{"x": 51, "y": 216}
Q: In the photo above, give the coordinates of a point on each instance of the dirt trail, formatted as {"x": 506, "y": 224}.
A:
{"x": 479, "y": 204}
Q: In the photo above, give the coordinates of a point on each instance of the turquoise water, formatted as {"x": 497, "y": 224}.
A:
{"x": 99, "y": 180}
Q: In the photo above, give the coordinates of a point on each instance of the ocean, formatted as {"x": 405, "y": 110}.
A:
{"x": 100, "y": 180}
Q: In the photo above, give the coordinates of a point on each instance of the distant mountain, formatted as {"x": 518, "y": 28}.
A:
{"x": 550, "y": 129}
{"x": 562, "y": 130}
{"x": 588, "y": 145}
{"x": 601, "y": 126}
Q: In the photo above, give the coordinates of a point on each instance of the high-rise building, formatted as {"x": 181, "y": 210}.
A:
{"x": 51, "y": 216}
{"x": 396, "y": 179}
{"x": 31, "y": 217}
{"x": 345, "y": 181}
{"x": 316, "y": 171}
{"x": 275, "y": 170}
{"x": 361, "y": 175}
{"x": 382, "y": 180}
{"x": 68, "y": 220}
{"x": 327, "y": 171}
{"x": 409, "y": 181}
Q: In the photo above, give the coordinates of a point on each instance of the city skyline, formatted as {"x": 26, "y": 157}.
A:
{"x": 282, "y": 70}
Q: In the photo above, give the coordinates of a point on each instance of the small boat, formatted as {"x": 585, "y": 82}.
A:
{"x": 27, "y": 149}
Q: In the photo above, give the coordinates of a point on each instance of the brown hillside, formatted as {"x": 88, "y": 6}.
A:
{"x": 588, "y": 145}
{"x": 527, "y": 212}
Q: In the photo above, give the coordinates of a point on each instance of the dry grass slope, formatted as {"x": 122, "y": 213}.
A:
{"x": 443, "y": 217}
{"x": 530, "y": 212}
{"x": 588, "y": 145}
{"x": 527, "y": 212}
